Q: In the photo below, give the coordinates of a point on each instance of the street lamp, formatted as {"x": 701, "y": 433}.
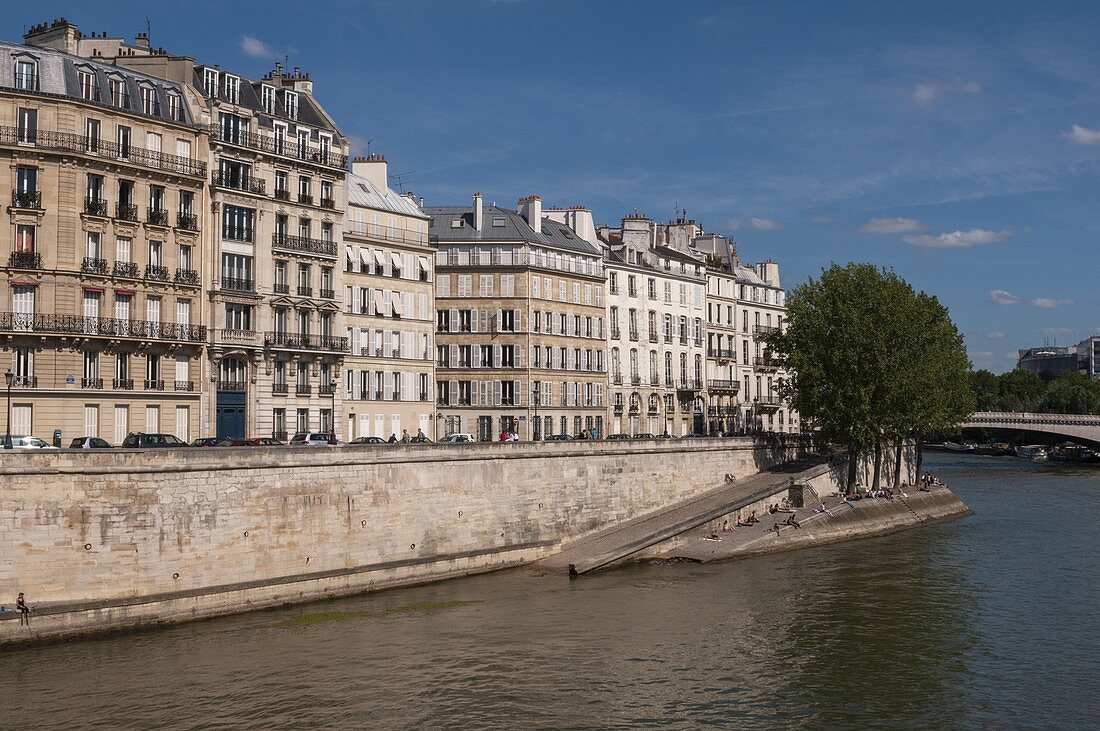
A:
{"x": 332, "y": 414}
{"x": 9, "y": 377}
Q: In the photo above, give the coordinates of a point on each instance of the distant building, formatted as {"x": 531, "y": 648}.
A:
{"x": 1088, "y": 356}
{"x": 1048, "y": 361}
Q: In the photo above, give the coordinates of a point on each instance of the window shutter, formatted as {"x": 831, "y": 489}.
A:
{"x": 518, "y": 356}
{"x": 453, "y": 360}
{"x": 475, "y": 356}
{"x": 473, "y": 321}
{"x": 452, "y": 323}
{"x": 452, "y": 393}
{"x": 517, "y": 393}
{"x": 496, "y": 393}
{"x": 496, "y": 356}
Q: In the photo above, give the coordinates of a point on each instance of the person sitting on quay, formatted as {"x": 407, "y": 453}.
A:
{"x": 24, "y": 611}
{"x": 393, "y": 438}
{"x": 753, "y": 518}
{"x": 726, "y": 527}
{"x": 743, "y": 523}
{"x": 791, "y": 521}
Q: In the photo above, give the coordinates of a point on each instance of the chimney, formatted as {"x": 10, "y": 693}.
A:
{"x": 479, "y": 212}
{"x": 373, "y": 168}
{"x": 531, "y": 209}
{"x": 59, "y": 35}
{"x": 141, "y": 40}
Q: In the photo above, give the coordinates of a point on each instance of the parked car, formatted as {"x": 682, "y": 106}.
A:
{"x": 664, "y": 436}
{"x": 420, "y": 439}
{"x": 644, "y": 436}
{"x": 89, "y": 443}
{"x": 234, "y": 443}
{"x": 459, "y": 438}
{"x": 618, "y": 436}
{"x": 309, "y": 439}
{"x": 143, "y": 441}
{"x": 205, "y": 442}
{"x": 368, "y": 440}
{"x": 28, "y": 442}
{"x": 559, "y": 438}
{"x": 265, "y": 442}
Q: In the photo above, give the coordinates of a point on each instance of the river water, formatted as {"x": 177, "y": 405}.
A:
{"x": 990, "y": 621}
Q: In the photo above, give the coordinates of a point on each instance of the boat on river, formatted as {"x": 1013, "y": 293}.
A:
{"x": 1070, "y": 452}
{"x": 957, "y": 447}
{"x": 1034, "y": 452}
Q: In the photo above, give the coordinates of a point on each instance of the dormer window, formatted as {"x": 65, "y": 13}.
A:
{"x": 233, "y": 89}
{"x": 210, "y": 81}
{"x": 89, "y": 89}
{"x": 149, "y": 103}
{"x": 117, "y": 87}
{"x": 26, "y": 75}
{"x": 267, "y": 97}
{"x": 175, "y": 107}
{"x": 290, "y": 101}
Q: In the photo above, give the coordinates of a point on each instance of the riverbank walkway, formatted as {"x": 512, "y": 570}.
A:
{"x": 623, "y": 540}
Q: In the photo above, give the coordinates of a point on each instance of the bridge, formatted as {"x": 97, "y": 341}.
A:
{"x": 1083, "y": 429}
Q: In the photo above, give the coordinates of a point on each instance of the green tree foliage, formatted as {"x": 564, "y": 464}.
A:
{"x": 1021, "y": 390}
{"x": 872, "y": 360}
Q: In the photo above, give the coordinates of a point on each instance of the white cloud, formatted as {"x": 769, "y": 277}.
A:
{"x": 927, "y": 92}
{"x": 958, "y": 239}
{"x": 1082, "y": 136}
{"x": 995, "y": 335}
{"x": 1001, "y": 297}
{"x": 891, "y": 226}
{"x": 1046, "y": 303}
{"x": 764, "y": 224}
{"x": 733, "y": 224}
{"x": 254, "y": 47}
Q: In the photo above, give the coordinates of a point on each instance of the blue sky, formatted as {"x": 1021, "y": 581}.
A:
{"x": 956, "y": 142}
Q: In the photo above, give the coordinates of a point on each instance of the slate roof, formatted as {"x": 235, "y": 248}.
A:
{"x": 499, "y": 224}
{"x": 362, "y": 192}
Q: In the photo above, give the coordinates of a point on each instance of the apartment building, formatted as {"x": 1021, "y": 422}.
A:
{"x": 724, "y": 413}
{"x": 389, "y": 308}
{"x": 656, "y": 298}
{"x": 520, "y": 336}
{"x": 103, "y": 249}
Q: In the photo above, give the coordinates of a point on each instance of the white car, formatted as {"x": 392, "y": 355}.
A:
{"x": 309, "y": 439}
{"x": 459, "y": 438}
{"x": 27, "y": 442}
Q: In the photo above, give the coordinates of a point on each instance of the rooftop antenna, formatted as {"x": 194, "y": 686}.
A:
{"x": 399, "y": 179}
{"x": 368, "y": 146}
{"x": 146, "y": 27}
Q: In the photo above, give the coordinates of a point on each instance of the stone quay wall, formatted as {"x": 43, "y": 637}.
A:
{"x": 102, "y": 540}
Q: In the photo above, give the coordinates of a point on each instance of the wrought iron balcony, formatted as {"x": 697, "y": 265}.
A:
{"x": 764, "y": 329}
{"x": 154, "y": 385}
{"x": 279, "y": 435}
{"x": 237, "y": 284}
{"x": 24, "y": 261}
{"x": 328, "y": 203}
{"x": 286, "y": 148}
{"x": 634, "y": 335}
{"x": 156, "y": 273}
{"x": 127, "y": 269}
{"x": 95, "y": 207}
{"x": 615, "y": 334}
{"x": 303, "y": 244}
{"x": 238, "y": 386}
{"x": 123, "y": 384}
{"x": 44, "y": 140}
{"x": 718, "y": 384}
{"x": 245, "y": 183}
{"x": 184, "y": 386}
{"x": 689, "y": 384}
{"x": 281, "y": 288}
{"x": 187, "y": 221}
{"x": 187, "y": 276}
{"x": 31, "y": 199}
{"x": 126, "y": 212}
{"x": 653, "y": 336}
{"x": 765, "y": 363}
{"x": 617, "y": 409}
{"x": 279, "y": 389}
{"x": 766, "y": 403}
{"x": 157, "y": 217}
{"x": 305, "y": 198}
{"x": 304, "y": 291}
{"x": 306, "y": 341}
{"x": 303, "y": 389}
{"x": 93, "y": 265}
{"x": 635, "y": 380}
{"x": 326, "y": 389}
{"x": 91, "y": 383}
{"x": 722, "y": 353}
{"x": 24, "y": 382}
{"x": 282, "y": 194}
{"x": 328, "y": 294}
{"x": 99, "y": 326}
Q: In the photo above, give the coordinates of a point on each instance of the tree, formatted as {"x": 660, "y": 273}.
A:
{"x": 872, "y": 360}
{"x": 1021, "y": 390}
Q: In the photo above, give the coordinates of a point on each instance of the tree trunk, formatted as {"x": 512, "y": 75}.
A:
{"x": 853, "y": 457}
{"x": 878, "y": 465}
{"x": 920, "y": 456}
{"x": 899, "y": 444}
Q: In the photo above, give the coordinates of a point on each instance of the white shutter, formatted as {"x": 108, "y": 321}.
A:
{"x": 475, "y": 356}
{"x": 122, "y": 423}
{"x": 496, "y": 356}
{"x": 454, "y": 356}
{"x": 452, "y": 394}
{"x": 152, "y": 419}
{"x": 518, "y": 352}
{"x": 183, "y": 423}
{"x": 181, "y": 369}
{"x": 497, "y": 388}
{"x": 91, "y": 420}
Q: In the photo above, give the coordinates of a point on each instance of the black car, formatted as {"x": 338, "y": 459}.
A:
{"x": 153, "y": 441}
{"x": 644, "y": 436}
{"x": 205, "y": 442}
{"x": 368, "y": 440}
{"x": 618, "y": 436}
{"x": 420, "y": 439}
{"x": 559, "y": 438}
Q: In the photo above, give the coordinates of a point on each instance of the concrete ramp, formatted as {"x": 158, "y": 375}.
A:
{"x": 621, "y": 541}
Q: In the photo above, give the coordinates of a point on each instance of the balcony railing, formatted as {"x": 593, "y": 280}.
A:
{"x": 653, "y": 336}
{"x": 281, "y": 288}
{"x": 245, "y": 183}
{"x": 303, "y": 389}
{"x": 157, "y": 217}
{"x": 80, "y": 325}
{"x": 237, "y": 284}
{"x": 187, "y": 221}
{"x": 717, "y": 384}
{"x": 103, "y": 148}
{"x": 615, "y": 333}
{"x": 330, "y": 203}
{"x": 766, "y": 403}
{"x": 249, "y": 338}
{"x": 305, "y": 291}
{"x": 286, "y": 148}
{"x": 282, "y": 194}
{"x": 184, "y": 386}
{"x": 24, "y": 382}
{"x": 91, "y": 383}
{"x": 634, "y": 335}
{"x": 617, "y": 409}
{"x": 326, "y": 389}
{"x": 766, "y": 363}
{"x": 328, "y": 294}
{"x": 764, "y": 329}
{"x": 238, "y": 386}
{"x": 306, "y": 342}
{"x": 96, "y": 207}
{"x": 187, "y": 276}
{"x": 722, "y": 353}
{"x": 154, "y": 385}
{"x": 25, "y": 260}
{"x": 126, "y": 212}
{"x": 123, "y": 384}
{"x": 93, "y": 265}
{"x": 156, "y": 273}
{"x": 279, "y": 389}
{"x": 635, "y": 380}
{"x": 689, "y": 384}
{"x": 279, "y": 435}
{"x": 127, "y": 269}
{"x": 303, "y": 244}
{"x": 26, "y": 199}
{"x": 305, "y": 198}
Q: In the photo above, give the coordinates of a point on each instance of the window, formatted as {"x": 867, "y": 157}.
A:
{"x": 175, "y": 107}
{"x": 123, "y": 140}
{"x": 237, "y": 223}
{"x": 290, "y": 101}
{"x": 238, "y": 317}
{"x": 25, "y": 238}
{"x": 508, "y": 320}
{"x": 91, "y": 135}
{"x": 149, "y": 103}
{"x": 89, "y": 89}
{"x": 267, "y": 98}
{"x": 26, "y": 75}
{"x": 210, "y": 81}
{"x": 117, "y": 87}
{"x": 233, "y": 89}
{"x": 26, "y": 125}
{"x": 237, "y": 268}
